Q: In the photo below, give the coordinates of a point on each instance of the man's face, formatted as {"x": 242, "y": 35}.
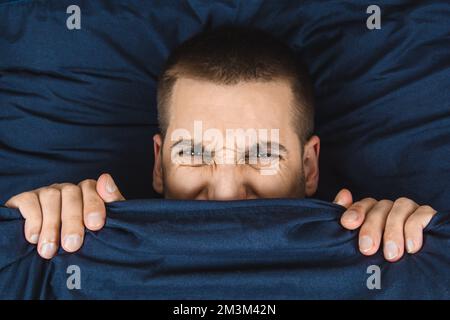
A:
{"x": 208, "y": 110}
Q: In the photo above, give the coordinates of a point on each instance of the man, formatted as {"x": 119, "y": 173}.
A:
{"x": 226, "y": 79}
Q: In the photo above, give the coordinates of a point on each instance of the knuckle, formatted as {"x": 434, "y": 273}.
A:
{"x": 411, "y": 224}
{"x": 358, "y": 207}
{"x": 73, "y": 225}
{"x": 393, "y": 226}
{"x": 366, "y": 229}
{"x": 386, "y": 203}
{"x": 427, "y": 208}
{"x": 49, "y": 192}
{"x": 370, "y": 226}
{"x": 392, "y": 234}
{"x": 71, "y": 218}
{"x": 387, "y": 236}
{"x": 404, "y": 202}
{"x": 87, "y": 182}
{"x": 93, "y": 201}
{"x": 370, "y": 199}
{"x": 51, "y": 227}
{"x": 27, "y": 197}
{"x": 32, "y": 228}
{"x": 33, "y": 219}
{"x": 70, "y": 189}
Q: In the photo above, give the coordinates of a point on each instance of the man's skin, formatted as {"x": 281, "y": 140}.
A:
{"x": 65, "y": 209}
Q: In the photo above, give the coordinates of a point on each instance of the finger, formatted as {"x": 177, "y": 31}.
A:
{"x": 373, "y": 227}
{"x": 50, "y": 199}
{"x": 414, "y": 227}
{"x": 344, "y": 198}
{"x": 94, "y": 212}
{"x": 354, "y": 216}
{"x": 30, "y": 208}
{"x": 72, "y": 232}
{"x": 107, "y": 189}
{"x": 393, "y": 238}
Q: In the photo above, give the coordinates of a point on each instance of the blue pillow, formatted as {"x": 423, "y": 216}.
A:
{"x": 254, "y": 249}
{"x": 76, "y": 103}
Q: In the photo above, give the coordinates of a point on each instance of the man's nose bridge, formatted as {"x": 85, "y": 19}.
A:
{"x": 227, "y": 182}
{"x": 228, "y": 156}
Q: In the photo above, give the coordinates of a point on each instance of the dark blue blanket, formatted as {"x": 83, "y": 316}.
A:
{"x": 259, "y": 249}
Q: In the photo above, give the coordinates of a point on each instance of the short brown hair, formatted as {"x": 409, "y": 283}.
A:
{"x": 230, "y": 54}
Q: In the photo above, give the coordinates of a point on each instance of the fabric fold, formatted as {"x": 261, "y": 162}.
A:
{"x": 254, "y": 249}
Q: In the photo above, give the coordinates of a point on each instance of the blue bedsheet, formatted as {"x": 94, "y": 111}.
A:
{"x": 258, "y": 249}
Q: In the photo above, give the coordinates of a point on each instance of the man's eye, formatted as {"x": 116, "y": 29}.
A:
{"x": 189, "y": 153}
{"x": 260, "y": 157}
{"x": 257, "y": 155}
{"x": 196, "y": 153}
{"x": 264, "y": 155}
{"x": 191, "y": 157}
{"x": 182, "y": 153}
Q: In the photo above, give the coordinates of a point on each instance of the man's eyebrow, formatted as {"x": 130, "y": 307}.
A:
{"x": 272, "y": 145}
{"x": 182, "y": 141}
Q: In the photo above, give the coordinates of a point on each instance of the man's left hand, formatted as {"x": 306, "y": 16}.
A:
{"x": 399, "y": 224}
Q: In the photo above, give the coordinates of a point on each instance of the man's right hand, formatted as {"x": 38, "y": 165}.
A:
{"x": 59, "y": 212}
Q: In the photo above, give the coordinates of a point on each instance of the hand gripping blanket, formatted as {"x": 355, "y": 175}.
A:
{"x": 254, "y": 249}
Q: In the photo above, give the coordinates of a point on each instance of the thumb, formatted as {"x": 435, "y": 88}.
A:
{"x": 107, "y": 189}
{"x": 344, "y": 198}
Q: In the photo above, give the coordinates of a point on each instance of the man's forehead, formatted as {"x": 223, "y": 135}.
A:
{"x": 244, "y": 105}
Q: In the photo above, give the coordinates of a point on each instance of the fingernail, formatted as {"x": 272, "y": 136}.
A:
{"x": 95, "y": 220}
{"x": 351, "y": 216}
{"x": 48, "y": 250}
{"x": 410, "y": 245}
{"x": 34, "y": 238}
{"x": 72, "y": 242}
{"x": 391, "y": 250}
{"x": 110, "y": 185}
{"x": 365, "y": 243}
